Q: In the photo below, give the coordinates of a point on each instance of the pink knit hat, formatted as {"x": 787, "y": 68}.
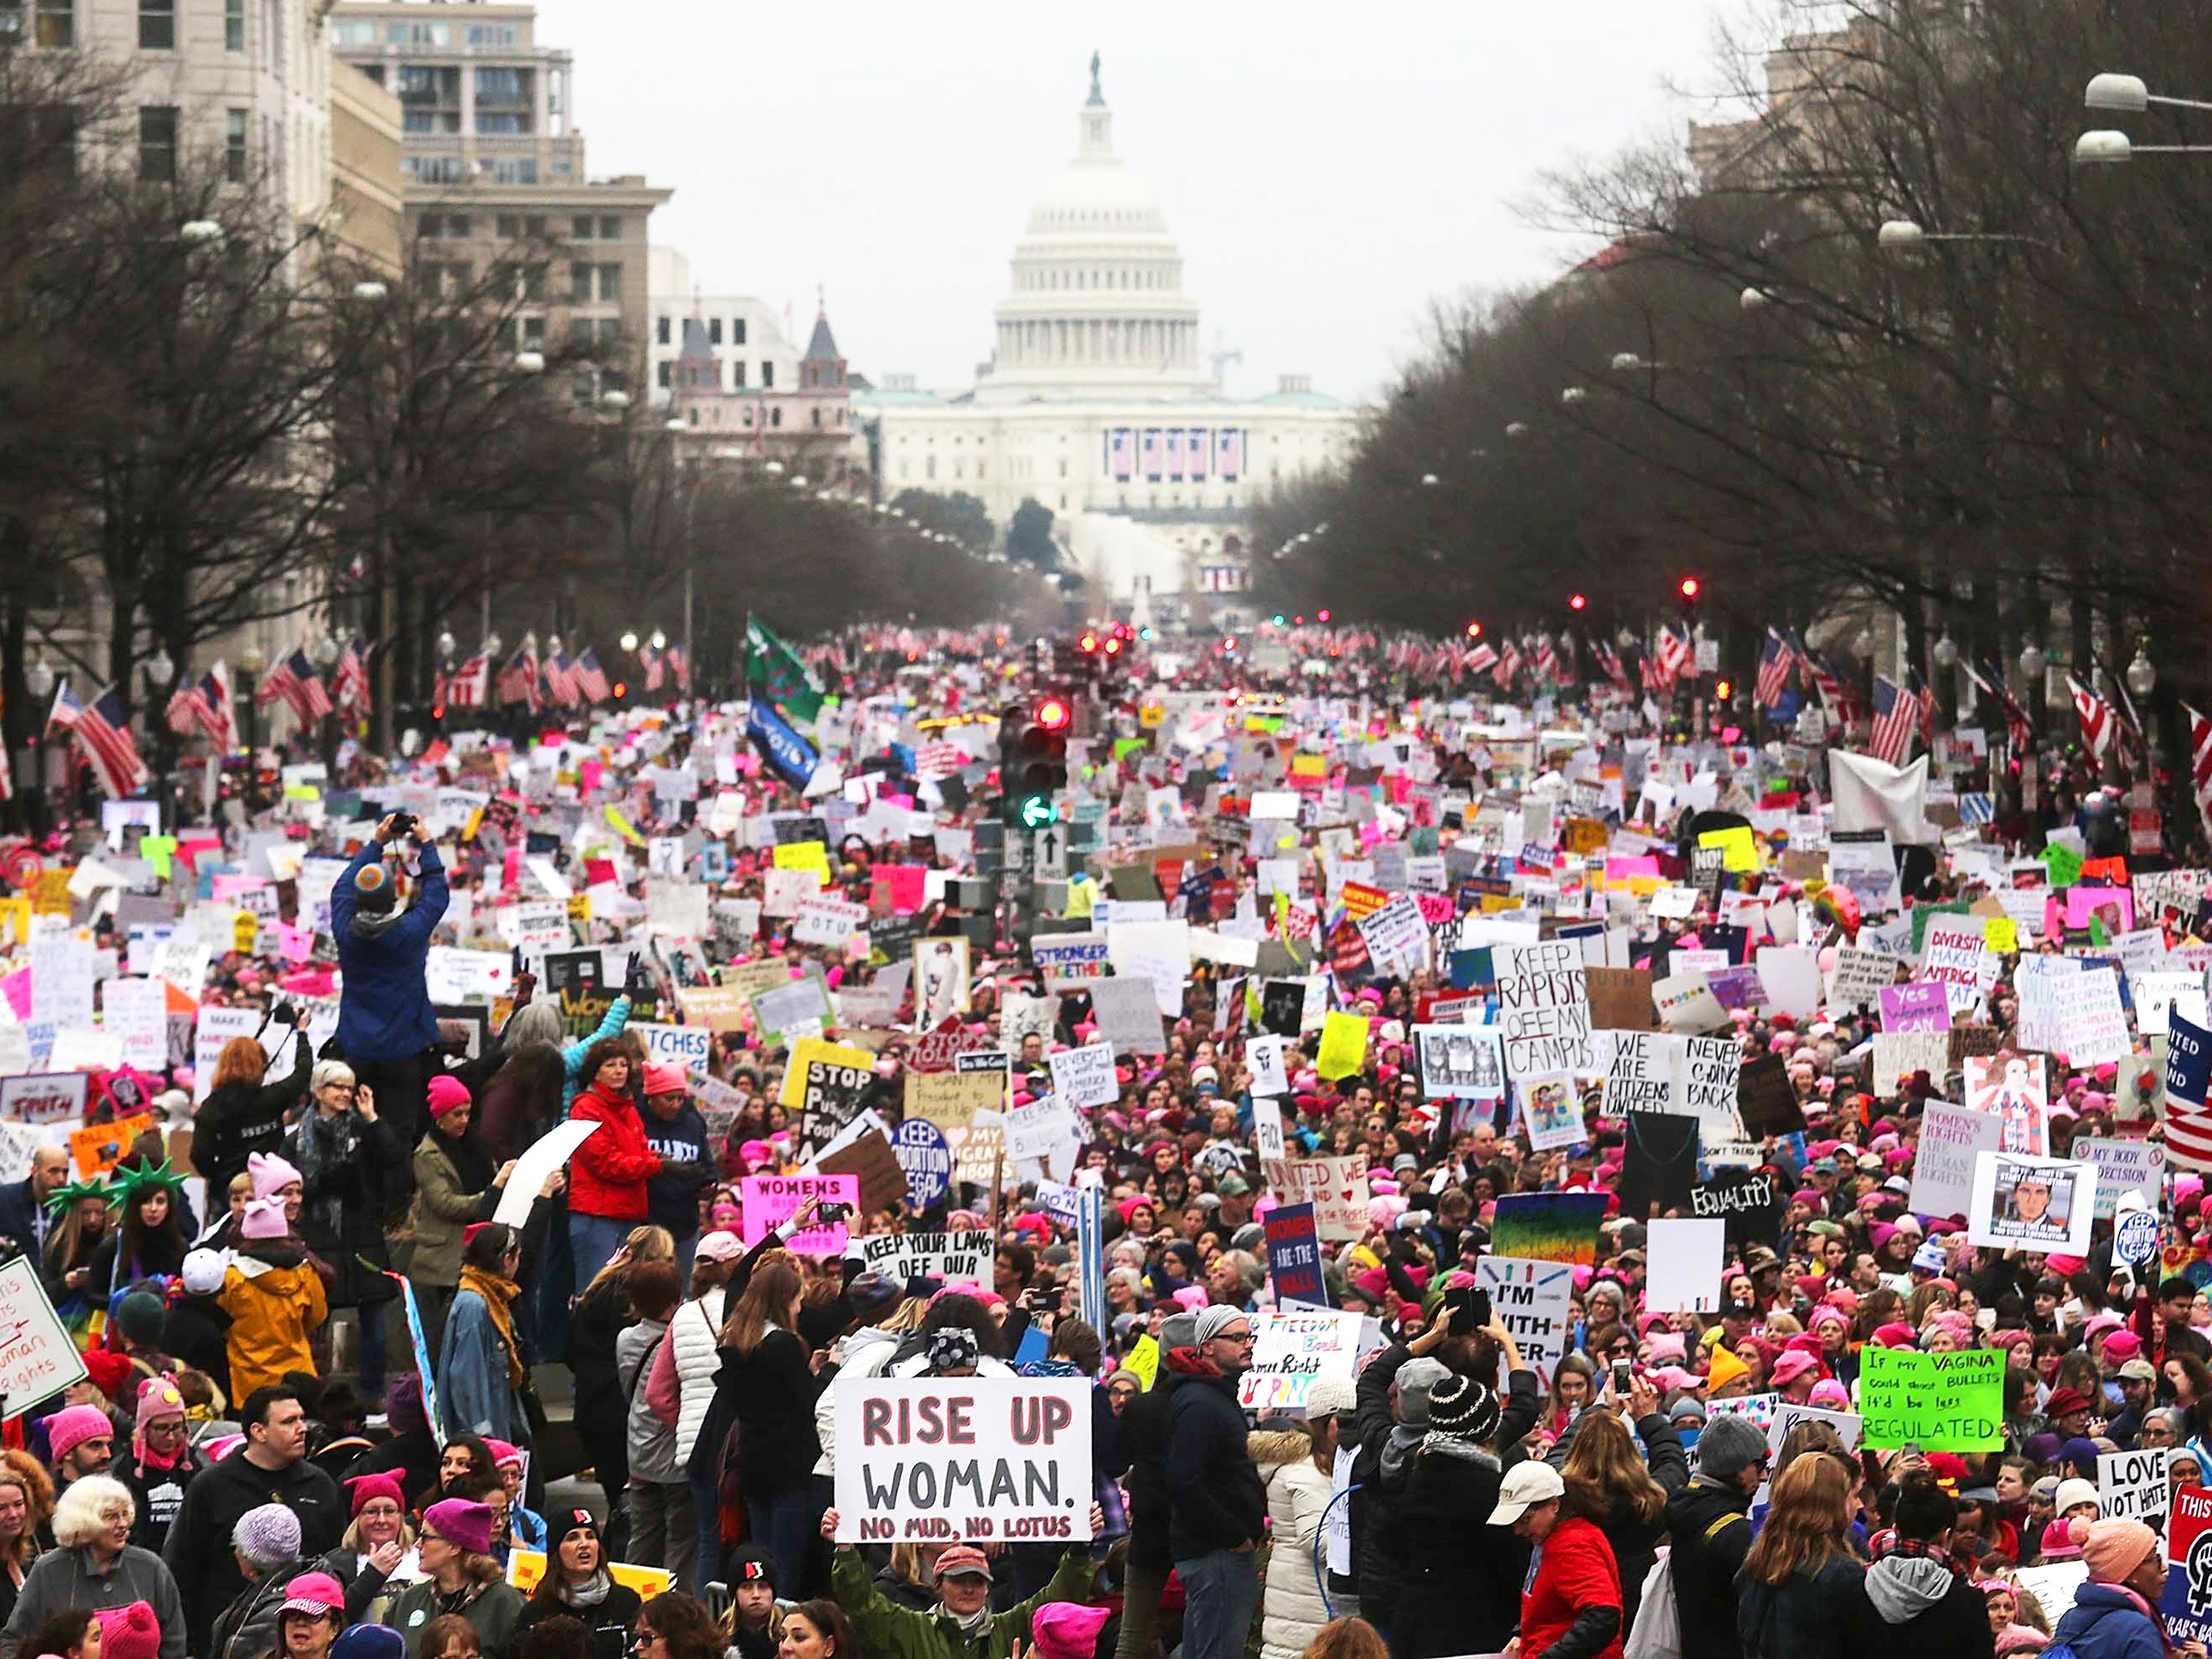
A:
{"x": 2115, "y": 1548}
{"x": 270, "y": 1173}
{"x": 264, "y": 1218}
{"x": 71, "y": 1426}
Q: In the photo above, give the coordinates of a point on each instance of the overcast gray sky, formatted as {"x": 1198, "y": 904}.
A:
{"x": 1328, "y": 167}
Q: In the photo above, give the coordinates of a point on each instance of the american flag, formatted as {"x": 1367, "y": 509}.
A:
{"x": 293, "y": 678}
{"x": 1677, "y": 656}
{"x": 466, "y": 686}
{"x": 679, "y": 667}
{"x": 1615, "y": 670}
{"x": 1774, "y": 659}
{"x": 349, "y": 679}
{"x": 1565, "y": 674}
{"x": 188, "y": 710}
{"x": 518, "y": 681}
{"x": 103, "y": 735}
{"x": 1925, "y": 694}
{"x": 2188, "y": 1121}
{"x": 938, "y": 759}
{"x": 2200, "y": 762}
{"x": 2020, "y": 731}
{"x": 1482, "y": 658}
{"x": 1509, "y": 664}
{"x": 222, "y": 708}
{"x": 1896, "y": 712}
{"x": 1544, "y": 659}
{"x": 649, "y": 660}
{"x": 589, "y": 680}
{"x": 2097, "y": 720}
{"x": 560, "y": 679}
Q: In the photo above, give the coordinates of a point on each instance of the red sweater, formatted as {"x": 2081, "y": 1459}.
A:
{"x": 1575, "y": 1569}
{"x": 607, "y": 1176}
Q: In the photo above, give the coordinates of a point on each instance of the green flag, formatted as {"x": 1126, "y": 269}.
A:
{"x": 776, "y": 670}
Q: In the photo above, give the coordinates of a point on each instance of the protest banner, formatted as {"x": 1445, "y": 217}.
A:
{"x": 2131, "y": 1485}
{"x": 1686, "y": 1265}
{"x": 924, "y": 1157}
{"x": 1748, "y": 1204}
{"x": 1534, "y": 1300}
{"x": 1336, "y": 1188}
{"x": 2186, "y": 1601}
{"x": 687, "y": 1046}
{"x": 38, "y": 1357}
{"x": 1543, "y": 1008}
{"x": 1916, "y": 1005}
{"x": 1951, "y": 1138}
{"x": 1042, "y": 1131}
{"x": 1085, "y": 1076}
{"x": 1294, "y": 1255}
{"x": 98, "y": 1149}
{"x": 1460, "y": 1062}
{"x": 1705, "y": 1084}
{"x": 1069, "y": 960}
{"x": 950, "y": 1258}
{"x": 766, "y": 1201}
{"x": 2032, "y": 1203}
{"x": 951, "y": 1099}
{"x": 2122, "y": 1166}
{"x": 969, "y": 1459}
{"x": 43, "y": 1097}
{"x": 1765, "y": 1100}
{"x": 1548, "y": 1226}
{"x": 1550, "y": 1112}
{"x": 2014, "y": 1089}
{"x": 1639, "y": 1071}
{"x": 1940, "y": 1401}
{"x": 1291, "y": 1351}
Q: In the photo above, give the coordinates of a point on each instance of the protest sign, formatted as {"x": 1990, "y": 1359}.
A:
{"x": 1461, "y": 1062}
{"x": 38, "y": 1357}
{"x": 1550, "y": 1112}
{"x": 1085, "y": 1076}
{"x": 2032, "y": 1203}
{"x": 2012, "y": 1089}
{"x": 1291, "y": 1351}
{"x": 971, "y": 1459}
{"x": 1748, "y": 1204}
{"x": 2131, "y": 1485}
{"x": 828, "y": 922}
{"x": 1534, "y": 1300}
{"x": 950, "y": 1258}
{"x": 1042, "y": 1132}
{"x": 1543, "y": 1003}
{"x": 951, "y": 1099}
{"x": 1686, "y": 1265}
{"x": 1548, "y": 1226}
{"x": 1639, "y": 1071}
{"x": 1765, "y": 1100}
{"x": 2122, "y": 1166}
{"x": 136, "y": 1011}
{"x": 1705, "y": 1083}
{"x": 1069, "y": 961}
{"x": 1337, "y": 1189}
{"x": 549, "y": 1151}
{"x": 1916, "y": 1005}
{"x": 687, "y": 1046}
{"x": 766, "y": 1201}
{"x": 1294, "y": 1255}
{"x": 1951, "y": 1138}
{"x": 1128, "y": 1012}
{"x": 43, "y": 1097}
{"x": 2093, "y": 1027}
{"x": 1941, "y": 1402}
{"x": 97, "y": 1150}
{"x": 2186, "y": 1602}
{"x": 924, "y": 1157}
{"x": 1264, "y": 1056}
{"x": 1860, "y": 977}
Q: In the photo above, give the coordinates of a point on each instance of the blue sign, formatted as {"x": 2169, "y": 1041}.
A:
{"x": 2134, "y": 1240}
{"x": 791, "y": 754}
{"x": 1294, "y": 1255}
{"x": 2187, "y": 1062}
{"x": 926, "y": 1157}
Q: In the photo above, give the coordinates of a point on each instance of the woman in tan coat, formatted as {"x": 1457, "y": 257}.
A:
{"x": 455, "y": 1185}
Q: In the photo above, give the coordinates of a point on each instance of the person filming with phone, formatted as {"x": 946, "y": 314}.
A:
{"x": 387, "y": 1028}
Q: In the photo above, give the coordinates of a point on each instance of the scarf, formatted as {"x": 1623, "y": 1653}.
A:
{"x": 498, "y": 1296}
{"x": 471, "y": 1158}
{"x": 1444, "y": 1444}
{"x": 592, "y": 1592}
{"x": 972, "y": 1625}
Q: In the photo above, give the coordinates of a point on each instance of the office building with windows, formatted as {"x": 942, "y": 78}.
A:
{"x": 495, "y": 175}
{"x": 1097, "y": 401}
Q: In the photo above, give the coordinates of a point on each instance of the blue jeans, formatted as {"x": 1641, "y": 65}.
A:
{"x": 706, "y": 1519}
{"x": 592, "y": 1239}
{"x": 785, "y": 1527}
{"x": 372, "y": 1316}
{"x": 1221, "y": 1593}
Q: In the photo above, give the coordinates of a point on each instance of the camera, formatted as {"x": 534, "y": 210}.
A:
{"x": 403, "y": 824}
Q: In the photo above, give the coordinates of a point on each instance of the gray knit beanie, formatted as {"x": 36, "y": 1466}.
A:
{"x": 1416, "y": 1377}
{"x": 1729, "y": 1445}
{"x": 268, "y": 1536}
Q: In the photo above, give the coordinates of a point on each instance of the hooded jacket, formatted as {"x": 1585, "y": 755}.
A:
{"x": 2107, "y": 1622}
{"x": 1145, "y": 1426}
{"x": 1917, "y": 1605}
{"x": 1291, "y": 1609}
{"x": 385, "y": 1011}
{"x": 274, "y": 1298}
{"x": 1215, "y": 1500}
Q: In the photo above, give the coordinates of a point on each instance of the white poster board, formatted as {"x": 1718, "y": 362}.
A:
{"x": 972, "y": 1459}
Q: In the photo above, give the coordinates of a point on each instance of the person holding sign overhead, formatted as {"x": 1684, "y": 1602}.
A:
{"x": 961, "y": 1625}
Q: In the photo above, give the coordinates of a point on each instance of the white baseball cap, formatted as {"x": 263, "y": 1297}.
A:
{"x": 1530, "y": 1483}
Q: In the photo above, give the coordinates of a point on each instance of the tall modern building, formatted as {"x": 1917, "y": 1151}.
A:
{"x": 496, "y": 174}
{"x": 1098, "y": 401}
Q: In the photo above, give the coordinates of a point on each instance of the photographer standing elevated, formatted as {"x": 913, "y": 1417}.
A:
{"x": 387, "y": 1030}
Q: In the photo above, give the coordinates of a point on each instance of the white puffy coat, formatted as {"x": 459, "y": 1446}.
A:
{"x": 695, "y": 1343}
{"x": 875, "y": 1355}
{"x": 1291, "y": 1609}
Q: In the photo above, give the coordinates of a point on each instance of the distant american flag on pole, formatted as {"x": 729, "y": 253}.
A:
{"x": 1545, "y": 661}
{"x": 1895, "y": 715}
{"x": 103, "y": 736}
{"x": 349, "y": 679}
{"x": 2200, "y": 762}
{"x": 295, "y": 679}
{"x": 590, "y": 681}
{"x": 1774, "y": 660}
{"x": 1482, "y": 658}
{"x": 223, "y": 708}
{"x": 560, "y": 679}
{"x": 518, "y": 681}
{"x": 464, "y": 687}
{"x": 649, "y": 659}
{"x": 679, "y": 666}
{"x": 188, "y": 711}
{"x": 1509, "y": 664}
{"x": 2098, "y": 722}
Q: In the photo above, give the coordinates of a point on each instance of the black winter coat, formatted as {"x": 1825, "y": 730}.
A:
{"x": 240, "y": 1119}
{"x": 1462, "y": 1585}
{"x": 1806, "y": 1616}
{"x": 345, "y": 1164}
{"x": 1215, "y": 1497}
{"x": 1710, "y": 1526}
{"x": 1144, "y": 1426}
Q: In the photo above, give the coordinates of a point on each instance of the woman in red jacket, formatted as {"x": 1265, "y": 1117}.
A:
{"x": 1571, "y": 1608}
{"x": 607, "y": 1178}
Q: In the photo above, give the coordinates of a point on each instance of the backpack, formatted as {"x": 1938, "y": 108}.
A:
{"x": 1657, "y": 1634}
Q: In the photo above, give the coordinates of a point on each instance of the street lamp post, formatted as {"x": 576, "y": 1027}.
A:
{"x": 251, "y": 663}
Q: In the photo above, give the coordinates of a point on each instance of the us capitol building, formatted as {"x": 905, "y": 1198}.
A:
{"x": 1099, "y": 401}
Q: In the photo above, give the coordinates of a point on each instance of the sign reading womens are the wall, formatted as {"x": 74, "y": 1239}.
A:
{"x": 767, "y": 1201}
{"x": 1534, "y": 1300}
{"x": 973, "y": 1458}
{"x": 1085, "y": 1076}
{"x": 2131, "y": 1485}
{"x": 950, "y": 1258}
{"x": 38, "y": 1357}
{"x": 1291, "y": 1351}
{"x": 1940, "y": 1401}
{"x": 1543, "y": 1003}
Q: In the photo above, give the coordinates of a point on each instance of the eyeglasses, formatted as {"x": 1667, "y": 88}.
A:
{"x": 1234, "y": 1336}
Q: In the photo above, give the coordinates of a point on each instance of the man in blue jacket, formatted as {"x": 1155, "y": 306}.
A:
{"x": 387, "y": 1030}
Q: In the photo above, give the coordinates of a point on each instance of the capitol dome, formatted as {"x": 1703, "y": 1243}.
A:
{"x": 1096, "y": 306}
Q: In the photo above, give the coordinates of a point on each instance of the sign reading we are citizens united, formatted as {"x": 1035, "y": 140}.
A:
{"x": 990, "y": 1459}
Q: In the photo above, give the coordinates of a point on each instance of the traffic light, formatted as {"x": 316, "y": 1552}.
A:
{"x": 1690, "y": 588}
{"x": 1033, "y": 759}
{"x": 1578, "y": 602}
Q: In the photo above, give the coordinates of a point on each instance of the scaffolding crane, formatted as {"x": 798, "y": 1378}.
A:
{"x": 1223, "y": 353}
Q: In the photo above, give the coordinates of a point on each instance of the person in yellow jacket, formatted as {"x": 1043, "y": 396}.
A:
{"x": 274, "y": 1296}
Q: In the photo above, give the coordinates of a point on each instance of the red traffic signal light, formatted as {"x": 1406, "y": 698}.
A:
{"x": 1053, "y": 714}
{"x": 1321, "y": 616}
{"x": 1691, "y": 588}
{"x": 1474, "y": 630}
{"x": 1114, "y": 648}
{"x": 1088, "y": 642}
{"x": 1577, "y": 602}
